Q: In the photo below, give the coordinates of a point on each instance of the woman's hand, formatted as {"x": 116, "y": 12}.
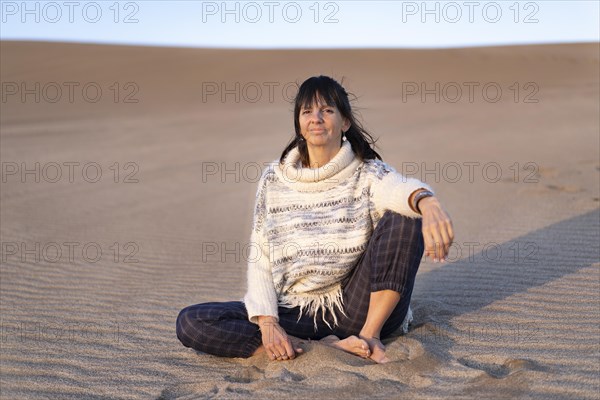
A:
{"x": 275, "y": 340}
{"x": 437, "y": 229}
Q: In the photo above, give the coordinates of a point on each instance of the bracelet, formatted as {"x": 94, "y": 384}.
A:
{"x": 420, "y": 196}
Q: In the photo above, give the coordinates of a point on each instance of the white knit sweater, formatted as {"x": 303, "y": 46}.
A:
{"x": 311, "y": 226}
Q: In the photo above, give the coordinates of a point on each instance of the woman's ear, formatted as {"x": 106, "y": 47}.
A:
{"x": 346, "y": 125}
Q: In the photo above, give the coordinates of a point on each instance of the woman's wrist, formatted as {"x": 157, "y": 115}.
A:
{"x": 426, "y": 202}
{"x": 416, "y": 197}
{"x": 266, "y": 319}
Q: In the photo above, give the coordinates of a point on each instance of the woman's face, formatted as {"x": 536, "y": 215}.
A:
{"x": 322, "y": 125}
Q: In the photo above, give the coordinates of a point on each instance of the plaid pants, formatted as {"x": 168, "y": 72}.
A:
{"x": 390, "y": 261}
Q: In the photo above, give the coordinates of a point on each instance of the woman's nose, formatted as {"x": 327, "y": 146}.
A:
{"x": 317, "y": 116}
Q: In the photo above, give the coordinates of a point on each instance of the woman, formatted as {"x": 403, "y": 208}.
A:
{"x": 337, "y": 239}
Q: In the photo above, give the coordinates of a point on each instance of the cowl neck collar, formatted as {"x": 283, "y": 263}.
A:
{"x": 341, "y": 166}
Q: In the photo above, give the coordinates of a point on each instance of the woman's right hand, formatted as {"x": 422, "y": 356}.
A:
{"x": 275, "y": 340}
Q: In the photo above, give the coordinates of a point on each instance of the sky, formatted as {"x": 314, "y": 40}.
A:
{"x": 302, "y": 24}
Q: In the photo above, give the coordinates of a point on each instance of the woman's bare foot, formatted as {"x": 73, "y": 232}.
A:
{"x": 352, "y": 344}
{"x": 377, "y": 350}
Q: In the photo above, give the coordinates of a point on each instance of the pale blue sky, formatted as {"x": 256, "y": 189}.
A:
{"x": 305, "y": 24}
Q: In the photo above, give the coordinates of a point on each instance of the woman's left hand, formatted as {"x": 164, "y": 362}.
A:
{"x": 437, "y": 229}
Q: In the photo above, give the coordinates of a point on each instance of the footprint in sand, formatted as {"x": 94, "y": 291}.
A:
{"x": 288, "y": 376}
{"x": 500, "y": 371}
{"x": 246, "y": 375}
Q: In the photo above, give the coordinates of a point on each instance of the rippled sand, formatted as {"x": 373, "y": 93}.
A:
{"x": 90, "y": 312}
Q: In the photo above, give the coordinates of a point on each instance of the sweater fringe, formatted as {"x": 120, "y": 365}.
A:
{"x": 313, "y": 303}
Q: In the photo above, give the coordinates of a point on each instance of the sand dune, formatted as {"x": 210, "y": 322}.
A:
{"x": 122, "y": 233}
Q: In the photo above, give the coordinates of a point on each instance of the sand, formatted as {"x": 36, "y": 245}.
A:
{"x": 516, "y": 314}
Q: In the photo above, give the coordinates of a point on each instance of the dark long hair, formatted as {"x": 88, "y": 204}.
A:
{"x": 328, "y": 91}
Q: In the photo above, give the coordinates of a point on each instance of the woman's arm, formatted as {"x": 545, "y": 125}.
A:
{"x": 260, "y": 298}
{"x": 393, "y": 191}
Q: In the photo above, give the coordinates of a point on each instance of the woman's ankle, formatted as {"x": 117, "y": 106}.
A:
{"x": 369, "y": 335}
